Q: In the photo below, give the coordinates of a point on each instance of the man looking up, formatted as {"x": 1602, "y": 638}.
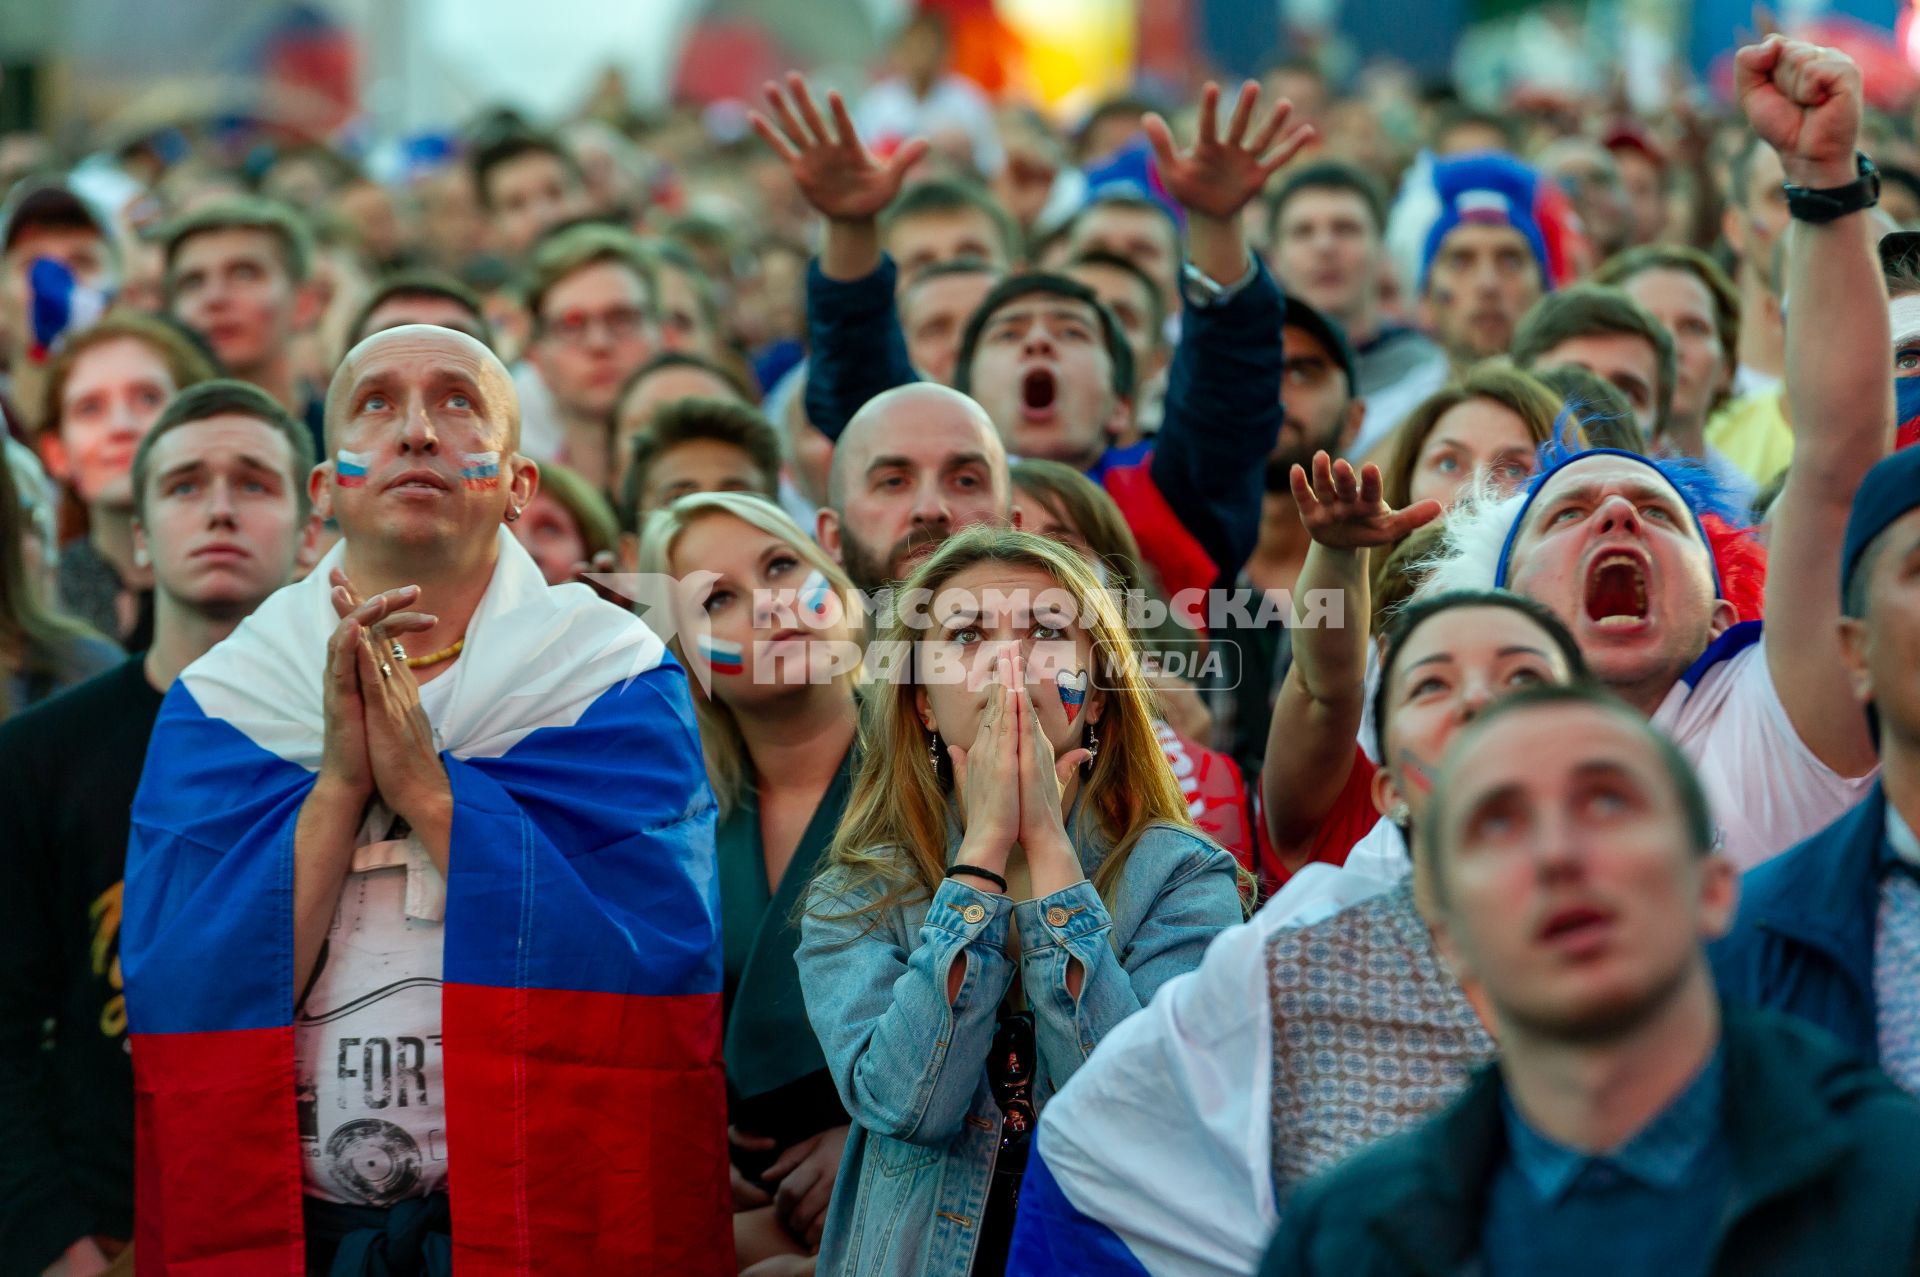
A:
{"x": 238, "y": 272}
{"x": 1571, "y": 879}
{"x": 1043, "y": 356}
{"x": 323, "y": 836}
{"x": 220, "y": 518}
{"x": 1605, "y": 332}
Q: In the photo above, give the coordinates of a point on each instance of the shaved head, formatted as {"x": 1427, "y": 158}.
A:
{"x": 905, "y": 411}
{"x": 914, "y": 466}
{"x": 415, "y": 342}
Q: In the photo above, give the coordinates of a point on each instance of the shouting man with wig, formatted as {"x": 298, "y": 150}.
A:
{"x": 428, "y": 844}
{"x": 1632, "y": 555}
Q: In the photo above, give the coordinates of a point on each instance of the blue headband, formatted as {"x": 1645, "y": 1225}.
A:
{"x": 1697, "y": 487}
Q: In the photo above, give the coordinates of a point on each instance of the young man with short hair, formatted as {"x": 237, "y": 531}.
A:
{"x": 239, "y": 272}
{"x": 421, "y": 297}
{"x": 1632, "y": 1124}
{"x": 1327, "y": 246}
{"x": 1135, "y": 227}
{"x": 698, "y": 445}
{"x": 945, "y": 219}
{"x": 221, "y": 518}
{"x": 935, "y": 304}
{"x": 594, "y": 299}
{"x": 528, "y": 183}
{"x": 1607, "y": 333}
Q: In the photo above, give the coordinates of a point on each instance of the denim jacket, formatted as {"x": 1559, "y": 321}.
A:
{"x": 911, "y": 1068}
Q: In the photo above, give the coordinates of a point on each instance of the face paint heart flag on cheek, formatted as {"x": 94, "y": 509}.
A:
{"x": 816, "y": 595}
{"x": 1072, "y": 686}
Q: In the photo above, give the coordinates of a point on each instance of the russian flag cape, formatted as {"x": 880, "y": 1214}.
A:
{"x": 585, "y": 1097}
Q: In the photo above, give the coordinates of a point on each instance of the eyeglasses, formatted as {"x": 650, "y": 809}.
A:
{"x": 575, "y": 327}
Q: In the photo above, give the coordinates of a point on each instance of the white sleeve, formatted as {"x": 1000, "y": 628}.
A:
{"x": 1163, "y": 1135}
{"x": 1767, "y": 790}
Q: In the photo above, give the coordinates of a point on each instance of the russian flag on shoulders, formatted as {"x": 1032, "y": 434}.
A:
{"x": 1153, "y": 1160}
{"x": 585, "y": 1101}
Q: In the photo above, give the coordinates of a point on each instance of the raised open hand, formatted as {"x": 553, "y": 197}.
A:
{"x": 1218, "y": 175}
{"x": 1343, "y": 510}
{"x": 830, "y": 165}
{"x": 1805, "y": 102}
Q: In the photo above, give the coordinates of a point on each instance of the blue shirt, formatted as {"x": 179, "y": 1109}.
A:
{"x": 1652, "y": 1205}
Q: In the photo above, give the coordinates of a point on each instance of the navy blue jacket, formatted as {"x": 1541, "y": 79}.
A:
{"x": 1824, "y": 1176}
{"x": 1803, "y": 942}
{"x": 1221, "y": 420}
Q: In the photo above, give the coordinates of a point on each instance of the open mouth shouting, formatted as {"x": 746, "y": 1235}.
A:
{"x": 1616, "y": 595}
{"x": 1039, "y": 391}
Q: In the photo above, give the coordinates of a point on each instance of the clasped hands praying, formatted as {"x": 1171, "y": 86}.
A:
{"x": 378, "y": 740}
{"x": 1010, "y": 788}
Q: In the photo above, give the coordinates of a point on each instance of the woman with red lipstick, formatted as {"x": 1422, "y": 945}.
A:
{"x": 764, "y": 625}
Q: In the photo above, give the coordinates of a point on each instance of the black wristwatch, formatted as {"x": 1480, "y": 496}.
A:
{"x": 1807, "y": 205}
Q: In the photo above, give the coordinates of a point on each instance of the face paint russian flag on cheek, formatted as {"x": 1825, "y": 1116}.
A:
{"x": 723, "y": 657}
{"x": 1073, "y": 691}
{"x": 350, "y": 468}
{"x": 480, "y": 470}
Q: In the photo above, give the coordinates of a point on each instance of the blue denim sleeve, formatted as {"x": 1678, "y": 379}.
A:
{"x": 1199, "y": 900}
{"x": 881, "y": 1011}
{"x": 1222, "y": 419}
{"x": 855, "y": 349}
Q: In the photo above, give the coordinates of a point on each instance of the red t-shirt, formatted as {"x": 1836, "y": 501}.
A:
{"x": 1350, "y": 819}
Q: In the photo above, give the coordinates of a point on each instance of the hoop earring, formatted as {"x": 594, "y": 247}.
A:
{"x": 513, "y": 513}
{"x": 1093, "y": 750}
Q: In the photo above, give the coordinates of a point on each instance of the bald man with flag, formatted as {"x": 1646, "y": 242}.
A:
{"x": 421, "y": 942}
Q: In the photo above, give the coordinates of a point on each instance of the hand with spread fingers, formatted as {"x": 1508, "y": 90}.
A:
{"x": 1345, "y": 510}
{"x": 1219, "y": 175}
{"x": 830, "y": 165}
{"x": 402, "y": 759}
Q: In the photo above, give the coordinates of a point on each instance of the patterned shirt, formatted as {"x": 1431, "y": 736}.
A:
{"x": 1896, "y": 957}
{"x": 1370, "y": 1033}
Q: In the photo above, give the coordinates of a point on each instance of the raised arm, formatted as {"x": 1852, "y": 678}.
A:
{"x": 1805, "y": 102}
{"x": 1316, "y": 719}
{"x": 855, "y": 347}
{"x": 1223, "y": 391}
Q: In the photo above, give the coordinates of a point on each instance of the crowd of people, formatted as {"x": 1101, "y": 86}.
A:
{"x": 912, "y": 693}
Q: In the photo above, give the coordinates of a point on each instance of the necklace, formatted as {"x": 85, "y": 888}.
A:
{"x": 434, "y": 658}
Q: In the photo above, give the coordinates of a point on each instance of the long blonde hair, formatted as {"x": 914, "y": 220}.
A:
{"x": 722, "y": 746}
{"x": 891, "y": 845}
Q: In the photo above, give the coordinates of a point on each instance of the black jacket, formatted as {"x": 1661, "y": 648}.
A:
{"x": 1826, "y": 1176}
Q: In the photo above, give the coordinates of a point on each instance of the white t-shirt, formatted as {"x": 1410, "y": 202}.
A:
{"x": 367, "y": 1059}
{"x": 1765, "y": 788}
